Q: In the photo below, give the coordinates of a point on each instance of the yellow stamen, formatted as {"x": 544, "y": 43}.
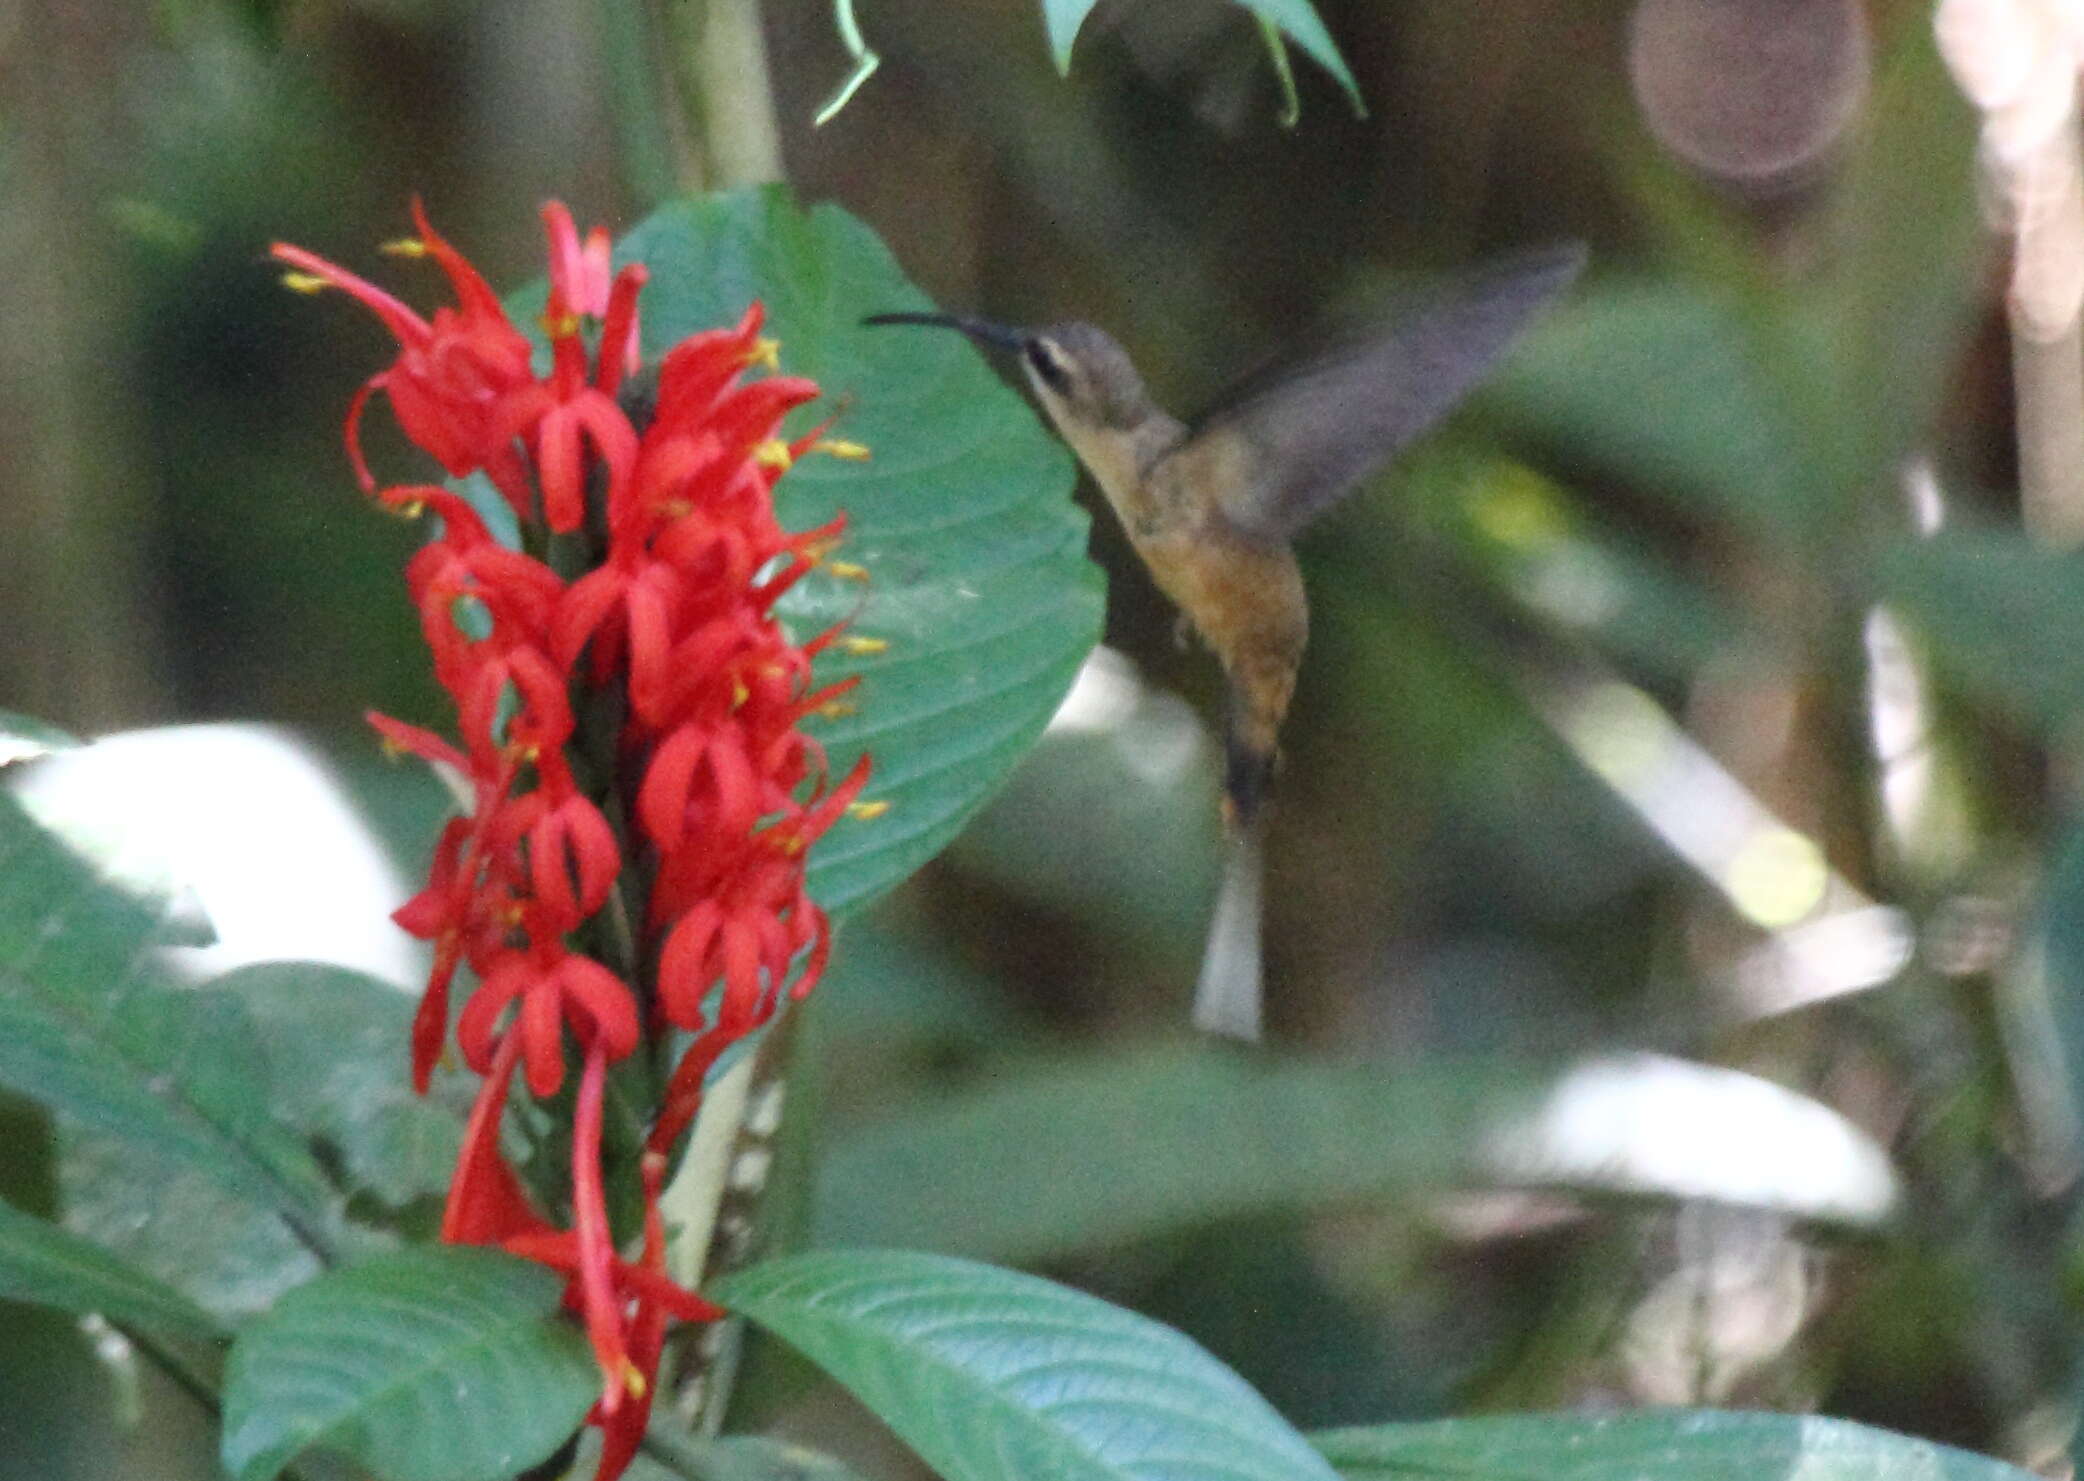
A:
{"x": 410, "y": 509}
{"x": 791, "y": 846}
{"x": 839, "y": 447}
{"x": 765, "y": 353}
{"x": 298, "y": 282}
{"x": 864, "y": 647}
{"x": 392, "y": 749}
{"x": 868, "y": 811}
{"x": 562, "y": 326}
{"x": 835, "y": 709}
{"x": 774, "y": 453}
{"x": 817, "y": 550}
{"x": 739, "y": 694}
{"x": 633, "y": 1380}
{"x": 404, "y": 247}
{"x": 847, "y": 570}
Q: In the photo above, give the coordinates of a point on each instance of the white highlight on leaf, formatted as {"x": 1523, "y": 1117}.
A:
{"x": 250, "y": 822}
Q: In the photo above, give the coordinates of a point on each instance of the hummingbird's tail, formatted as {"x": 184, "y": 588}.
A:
{"x": 1227, "y": 998}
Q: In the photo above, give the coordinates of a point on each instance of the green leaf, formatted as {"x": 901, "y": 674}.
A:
{"x": 229, "y": 1254}
{"x": 977, "y": 576}
{"x": 1297, "y": 18}
{"x": 336, "y": 1047}
{"x": 2000, "y": 613}
{"x": 1667, "y": 1445}
{"x": 42, "y": 1263}
{"x": 1126, "y": 1147}
{"x": 434, "y": 1364}
{"x": 173, "y": 1070}
{"x": 992, "y": 1375}
{"x": 1905, "y": 293}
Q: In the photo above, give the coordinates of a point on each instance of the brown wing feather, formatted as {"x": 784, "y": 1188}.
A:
{"x": 1305, "y": 433}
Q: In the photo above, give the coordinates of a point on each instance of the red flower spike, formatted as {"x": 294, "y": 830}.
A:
{"x": 715, "y": 786}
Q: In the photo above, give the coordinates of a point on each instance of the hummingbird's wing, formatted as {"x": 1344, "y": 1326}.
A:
{"x": 1281, "y": 448}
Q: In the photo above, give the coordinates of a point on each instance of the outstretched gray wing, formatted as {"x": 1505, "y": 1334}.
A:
{"x": 1285, "y": 446}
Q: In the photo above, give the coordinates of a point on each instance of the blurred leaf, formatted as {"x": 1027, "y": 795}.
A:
{"x": 991, "y": 1375}
{"x": 1650, "y": 381}
{"x": 435, "y": 1364}
{"x": 1676, "y": 1445}
{"x": 1899, "y": 302}
{"x": 335, "y": 1043}
{"x": 977, "y": 578}
{"x": 24, "y": 739}
{"x": 2001, "y": 615}
{"x": 734, "y": 1458}
{"x": 892, "y": 986}
{"x": 1112, "y": 819}
{"x": 1125, "y": 1147}
{"x": 42, "y": 1263}
{"x": 1298, "y": 18}
{"x": 1529, "y": 539}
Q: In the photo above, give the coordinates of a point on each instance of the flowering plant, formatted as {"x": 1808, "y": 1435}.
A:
{"x": 643, "y": 794}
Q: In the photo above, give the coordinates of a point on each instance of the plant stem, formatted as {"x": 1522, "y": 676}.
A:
{"x": 657, "y": 160}
{"x": 2048, "y": 388}
{"x": 719, "y": 58}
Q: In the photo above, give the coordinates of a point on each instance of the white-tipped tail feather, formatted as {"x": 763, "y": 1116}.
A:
{"x": 1227, "y": 999}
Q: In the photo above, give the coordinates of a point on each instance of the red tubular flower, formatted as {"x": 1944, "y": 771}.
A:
{"x": 663, "y": 664}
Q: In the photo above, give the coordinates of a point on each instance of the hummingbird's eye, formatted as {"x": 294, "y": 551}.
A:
{"x": 1044, "y": 360}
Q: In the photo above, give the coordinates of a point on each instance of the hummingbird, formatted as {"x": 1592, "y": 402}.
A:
{"x": 1213, "y": 506}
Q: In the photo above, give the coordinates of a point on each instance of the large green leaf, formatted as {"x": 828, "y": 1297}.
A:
{"x": 87, "y": 1027}
{"x": 991, "y": 1375}
{"x": 1663, "y": 1445}
{"x": 435, "y": 1364}
{"x": 1297, "y": 19}
{"x": 978, "y": 580}
{"x": 335, "y": 1041}
{"x": 42, "y": 1263}
{"x": 1127, "y": 1147}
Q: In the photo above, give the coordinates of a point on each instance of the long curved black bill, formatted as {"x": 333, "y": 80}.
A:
{"x": 981, "y": 330}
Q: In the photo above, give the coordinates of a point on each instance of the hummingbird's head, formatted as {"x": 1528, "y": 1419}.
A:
{"x": 1081, "y": 376}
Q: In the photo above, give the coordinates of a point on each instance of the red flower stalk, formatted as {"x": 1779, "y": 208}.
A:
{"x": 717, "y": 789}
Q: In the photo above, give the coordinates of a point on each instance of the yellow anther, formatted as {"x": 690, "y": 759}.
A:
{"x": 839, "y": 447}
{"x": 410, "y": 509}
{"x": 392, "y": 749}
{"x": 791, "y": 846}
{"x": 864, "y": 647}
{"x": 835, "y": 709}
{"x": 817, "y": 550}
{"x": 847, "y": 570}
{"x": 633, "y": 1380}
{"x": 765, "y": 353}
{"x": 868, "y": 811}
{"x": 739, "y": 694}
{"x": 298, "y": 282}
{"x": 560, "y": 326}
{"x": 404, "y": 247}
{"x": 774, "y": 453}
